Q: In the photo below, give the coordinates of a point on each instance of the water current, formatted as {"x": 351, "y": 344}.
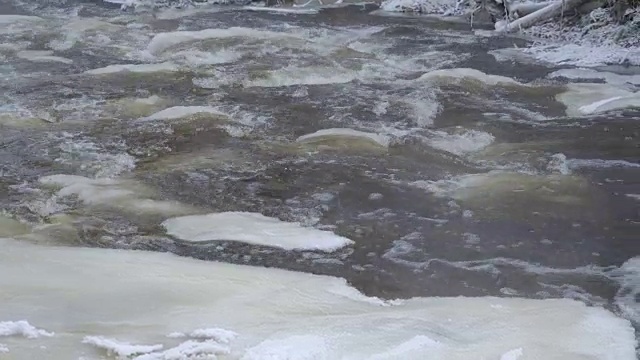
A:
{"x": 437, "y": 161}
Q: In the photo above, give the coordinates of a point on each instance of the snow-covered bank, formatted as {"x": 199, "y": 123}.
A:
{"x": 593, "y": 38}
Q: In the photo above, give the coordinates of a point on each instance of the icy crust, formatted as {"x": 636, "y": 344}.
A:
{"x": 253, "y": 228}
{"x": 345, "y": 134}
{"x": 140, "y": 297}
{"x": 22, "y": 328}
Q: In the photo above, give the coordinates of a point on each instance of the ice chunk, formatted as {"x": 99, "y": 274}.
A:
{"x": 127, "y": 195}
{"x": 139, "y": 296}
{"x": 253, "y": 228}
{"x": 119, "y": 348}
{"x": 470, "y": 74}
{"x": 345, "y": 133}
{"x": 460, "y": 143}
{"x": 282, "y": 10}
{"x": 134, "y": 68}
{"x": 628, "y": 275}
{"x": 22, "y": 328}
{"x": 588, "y": 99}
{"x": 590, "y": 74}
{"x": 42, "y": 56}
{"x": 179, "y": 112}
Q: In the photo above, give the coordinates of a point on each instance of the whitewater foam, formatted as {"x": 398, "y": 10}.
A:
{"x": 22, "y": 328}
{"x": 253, "y": 228}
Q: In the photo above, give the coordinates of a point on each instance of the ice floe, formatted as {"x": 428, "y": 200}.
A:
{"x": 42, "y": 56}
{"x": 253, "y": 228}
{"x": 589, "y": 99}
{"x": 460, "y": 142}
{"x": 346, "y": 134}
{"x": 133, "y": 68}
{"x": 137, "y": 297}
{"x": 179, "y": 112}
{"x": 469, "y": 74}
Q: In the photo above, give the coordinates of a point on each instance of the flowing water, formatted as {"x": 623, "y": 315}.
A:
{"x": 446, "y": 167}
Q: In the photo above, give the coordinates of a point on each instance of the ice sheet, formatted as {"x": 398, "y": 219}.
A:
{"x": 134, "y": 68}
{"x": 138, "y": 297}
{"x": 253, "y": 228}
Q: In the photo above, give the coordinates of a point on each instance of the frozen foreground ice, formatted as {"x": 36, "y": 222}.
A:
{"x": 146, "y": 305}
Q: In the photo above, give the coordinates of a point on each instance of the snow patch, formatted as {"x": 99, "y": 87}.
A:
{"x": 253, "y": 228}
{"x": 22, "y": 328}
{"x": 346, "y": 133}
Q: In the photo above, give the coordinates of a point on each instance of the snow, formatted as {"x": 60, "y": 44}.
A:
{"x": 514, "y": 354}
{"x": 588, "y": 55}
{"x": 22, "y": 328}
{"x": 119, "y": 348}
{"x": 253, "y": 228}
{"x": 461, "y": 142}
{"x": 448, "y": 7}
{"x": 587, "y": 99}
{"x": 134, "y": 68}
{"x": 382, "y": 140}
{"x": 179, "y": 112}
{"x": 138, "y": 296}
{"x": 469, "y": 74}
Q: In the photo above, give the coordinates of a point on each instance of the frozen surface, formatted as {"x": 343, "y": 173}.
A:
{"x": 590, "y": 74}
{"x": 138, "y": 297}
{"x": 42, "y": 56}
{"x": 179, "y": 112}
{"x": 584, "y": 54}
{"x": 382, "y": 140}
{"x": 253, "y": 228}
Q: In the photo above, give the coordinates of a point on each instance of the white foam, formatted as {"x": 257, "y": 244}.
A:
{"x": 253, "y": 228}
{"x": 188, "y": 350}
{"x": 588, "y": 99}
{"x": 294, "y": 75}
{"x": 420, "y": 6}
{"x": 134, "y": 68}
{"x": 633, "y": 196}
{"x": 282, "y": 10}
{"x": 470, "y": 74}
{"x": 4, "y": 348}
{"x": 42, "y": 56}
{"x": 10, "y": 19}
{"x": 120, "y": 348}
{"x": 460, "y": 143}
{"x": 139, "y": 296}
{"x": 600, "y": 163}
{"x": 382, "y": 140}
{"x": 179, "y": 112}
{"x": 22, "y": 328}
{"x": 298, "y": 347}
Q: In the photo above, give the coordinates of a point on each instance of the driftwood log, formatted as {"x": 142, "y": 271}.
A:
{"x": 547, "y": 12}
